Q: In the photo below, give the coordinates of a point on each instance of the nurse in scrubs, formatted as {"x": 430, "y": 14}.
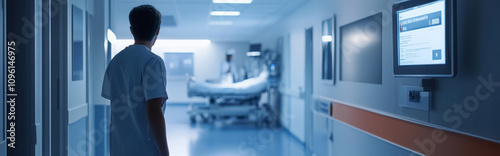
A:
{"x": 228, "y": 70}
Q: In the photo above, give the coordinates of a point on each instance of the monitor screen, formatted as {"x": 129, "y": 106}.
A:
{"x": 421, "y": 35}
{"x": 361, "y": 50}
{"x": 423, "y": 38}
{"x": 255, "y": 47}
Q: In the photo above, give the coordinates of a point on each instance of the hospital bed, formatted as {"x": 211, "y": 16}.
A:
{"x": 239, "y": 99}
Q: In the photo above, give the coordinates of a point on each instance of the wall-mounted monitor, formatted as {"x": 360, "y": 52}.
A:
{"x": 424, "y": 38}
{"x": 255, "y": 47}
{"x": 254, "y": 50}
{"x": 327, "y": 49}
{"x": 361, "y": 50}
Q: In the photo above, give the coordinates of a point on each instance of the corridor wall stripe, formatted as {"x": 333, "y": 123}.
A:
{"x": 423, "y": 139}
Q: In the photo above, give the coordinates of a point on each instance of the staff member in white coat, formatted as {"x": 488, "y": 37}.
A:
{"x": 228, "y": 72}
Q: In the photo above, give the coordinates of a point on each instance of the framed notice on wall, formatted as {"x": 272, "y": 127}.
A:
{"x": 328, "y": 35}
{"x": 179, "y": 65}
{"x": 77, "y": 55}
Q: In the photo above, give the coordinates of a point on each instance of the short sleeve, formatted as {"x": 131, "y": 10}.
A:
{"x": 106, "y": 87}
{"x": 154, "y": 79}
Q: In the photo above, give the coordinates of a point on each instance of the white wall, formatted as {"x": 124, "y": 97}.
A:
{"x": 96, "y": 65}
{"x": 97, "y": 53}
{"x": 207, "y": 60}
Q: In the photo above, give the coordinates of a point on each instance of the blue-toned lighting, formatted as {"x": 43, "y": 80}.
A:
{"x": 253, "y": 53}
{"x": 233, "y": 1}
{"x": 221, "y": 23}
{"x": 225, "y": 13}
{"x": 183, "y": 43}
{"x": 326, "y": 38}
{"x": 111, "y": 36}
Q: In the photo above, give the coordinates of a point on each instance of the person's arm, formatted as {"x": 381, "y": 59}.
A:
{"x": 157, "y": 124}
{"x": 235, "y": 73}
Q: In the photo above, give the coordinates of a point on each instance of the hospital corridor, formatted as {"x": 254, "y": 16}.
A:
{"x": 250, "y": 78}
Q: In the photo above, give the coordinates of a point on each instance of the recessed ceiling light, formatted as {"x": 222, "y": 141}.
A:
{"x": 225, "y": 13}
{"x": 221, "y": 23}
{"x": 233, "y": 1}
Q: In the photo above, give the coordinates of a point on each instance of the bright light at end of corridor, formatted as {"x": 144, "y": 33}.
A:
{"x": 233, "y": 1}
{"x": 225, "y": 13}
{"x": 111, "y": 36}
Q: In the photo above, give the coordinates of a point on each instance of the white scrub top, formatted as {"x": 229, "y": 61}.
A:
{"x": 227, "y": 72}
{"x": 133, "y": 76}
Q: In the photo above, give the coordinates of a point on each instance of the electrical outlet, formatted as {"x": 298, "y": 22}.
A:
{"x": 415, "y": 97}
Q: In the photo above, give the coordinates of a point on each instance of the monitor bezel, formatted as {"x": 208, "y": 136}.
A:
{"x": 252, "y": 46}
{"x": 443, "y": 70}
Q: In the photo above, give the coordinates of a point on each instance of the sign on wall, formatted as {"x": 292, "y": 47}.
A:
{"x": 179, "y": 65}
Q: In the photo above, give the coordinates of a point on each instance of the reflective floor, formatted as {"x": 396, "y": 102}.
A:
{"x": 223, "y": 138}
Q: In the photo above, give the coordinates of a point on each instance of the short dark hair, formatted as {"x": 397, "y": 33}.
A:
{"x": 144, "y": 20}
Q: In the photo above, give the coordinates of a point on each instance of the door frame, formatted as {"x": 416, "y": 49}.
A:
{"x": 58, "y": 80}
{"x": 46, "y": 76}
{"x": 308, "y": 85}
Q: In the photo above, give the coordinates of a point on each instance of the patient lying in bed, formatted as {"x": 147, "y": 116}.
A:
{"x": 250, "y": 86}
